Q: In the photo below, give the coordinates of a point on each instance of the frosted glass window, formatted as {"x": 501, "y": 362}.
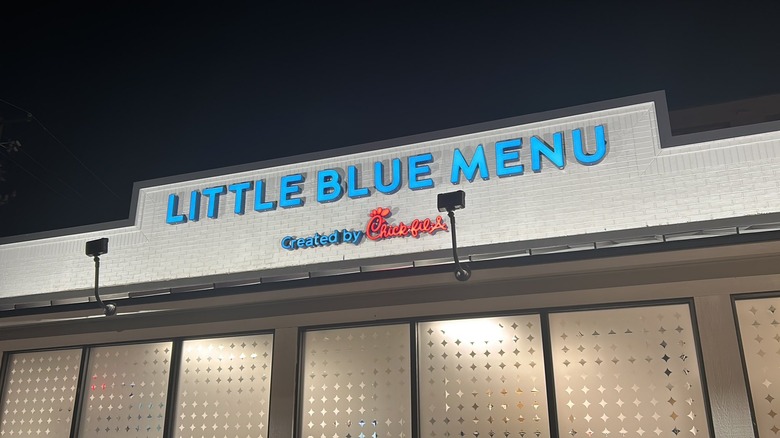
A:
{"x": 39, "y": 393}
{"x": 482, "y": 377}
{"x": 357, "y": 383}
{"x": 627, "y": 372}
{"x": 126, "y": 391}
{"x": 224, "y": 387}
{"x": 759, "y": 320}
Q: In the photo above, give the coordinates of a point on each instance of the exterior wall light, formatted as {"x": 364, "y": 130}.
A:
{"x": 96, "y": 248}
{"x": 450, "y": 202}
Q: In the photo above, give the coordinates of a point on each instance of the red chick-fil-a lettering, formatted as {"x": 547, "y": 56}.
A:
{"x": 378, "y": 228}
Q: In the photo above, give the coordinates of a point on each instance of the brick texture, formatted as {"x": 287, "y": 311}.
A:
{"x": 638, "y": 184}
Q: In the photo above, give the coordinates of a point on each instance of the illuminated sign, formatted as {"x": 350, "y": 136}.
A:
{"x": 333, "y": 185}
{"x": 377, "y": 228}
{"x": 318, "y": 240}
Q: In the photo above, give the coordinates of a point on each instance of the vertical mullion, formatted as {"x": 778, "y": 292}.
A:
{"x": 4, "y": 364}
{"x": 743, "y": 359}
{"x": 80, "y": 390}
{"x": 301, "y": 376}
{"x": 702, "y": 376}
{"x": 549, "y": 374}
{"x": 173, "y": 384}
{"x": 413, "y": 378}
{"x": 282, "y": 419}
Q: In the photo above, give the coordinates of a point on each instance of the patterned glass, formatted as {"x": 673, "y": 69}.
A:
{"x": 759, "y": 320}
{"x": 224, "y": 387}
{"x": 627, "y": 372}
{"x": 482, "y": 377}
{"x": 39, "y": 393}
{"x": 126, "y": 391}
{"x": 357, "y": 383}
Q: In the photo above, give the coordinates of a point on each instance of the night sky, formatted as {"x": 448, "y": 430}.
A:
{"x": 133, "y": 92}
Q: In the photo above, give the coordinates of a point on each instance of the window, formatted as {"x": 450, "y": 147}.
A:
{"x": 357, "y": 382}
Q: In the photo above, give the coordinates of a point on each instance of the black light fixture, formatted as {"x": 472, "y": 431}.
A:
{"x": 96, "y": 248}
{"x": 450, "y": 202}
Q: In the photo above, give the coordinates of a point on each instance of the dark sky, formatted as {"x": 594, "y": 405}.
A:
{"x": 139, "y": 91}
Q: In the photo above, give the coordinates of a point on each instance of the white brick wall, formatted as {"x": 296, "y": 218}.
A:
{"x": 637, "y": 185}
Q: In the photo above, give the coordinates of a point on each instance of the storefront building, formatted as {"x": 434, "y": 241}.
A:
{"x": 623, "y": 283}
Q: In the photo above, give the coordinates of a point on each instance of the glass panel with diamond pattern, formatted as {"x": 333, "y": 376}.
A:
{"x": 126, "y": 391}
{"x": 224, "y": 387}
{"x": 39, "y": 393}
{"x": 759, "y": 326}
{"x": 627, "y": 372}
{"x": 482, "y": 378}
{"x": 356, "y": 383}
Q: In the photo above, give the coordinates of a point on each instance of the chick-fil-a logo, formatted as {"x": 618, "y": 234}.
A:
{"x": 378, "y": 228}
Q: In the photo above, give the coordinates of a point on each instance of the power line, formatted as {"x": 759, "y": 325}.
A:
{"x": 20, "y": 109}
{"x": 51, "y": 173}
{"x": 8, "y": 155}
{"x": 47, "y": 131}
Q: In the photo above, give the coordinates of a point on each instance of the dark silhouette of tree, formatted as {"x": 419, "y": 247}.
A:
{"x": 7, "y": 148}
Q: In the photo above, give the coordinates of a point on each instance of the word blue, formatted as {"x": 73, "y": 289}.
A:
{"x": 415, "y": 172}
